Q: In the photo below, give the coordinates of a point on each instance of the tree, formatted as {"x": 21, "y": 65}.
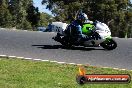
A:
{"x": 5, "y": 16}
{"x": 26, "y": 25}
{"x": 21, "y": 14}
{"x": 62, "y": 10}
{"x": 45, "y": 19}
{"x": 18, "y": 10}
{"x": 112, "y": 12}
{"x": 33, "y": 15}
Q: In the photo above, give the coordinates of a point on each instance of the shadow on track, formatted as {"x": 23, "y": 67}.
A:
{"x": 62, "y": 47}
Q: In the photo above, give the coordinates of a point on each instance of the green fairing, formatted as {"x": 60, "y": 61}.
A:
{"x": 86, "y": 28}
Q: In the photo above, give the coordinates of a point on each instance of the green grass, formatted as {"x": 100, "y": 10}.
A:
{"x": 16, "y": 73}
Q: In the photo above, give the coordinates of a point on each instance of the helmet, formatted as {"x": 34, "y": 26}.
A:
{"x": 82, "y": 16}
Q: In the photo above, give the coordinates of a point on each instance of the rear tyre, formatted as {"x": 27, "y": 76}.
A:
{"x": 109, "y": 44}
{"x": 65, "y": 42}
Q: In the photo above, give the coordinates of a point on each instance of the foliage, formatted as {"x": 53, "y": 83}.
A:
{"x": 45, "y": 19}
{"x": 116, "y": 13}
{"x": 26, "y": 25}
{"x": 21, "y": 14}
{"x": 5, "y": 16}
{"x": 33, "y": 15}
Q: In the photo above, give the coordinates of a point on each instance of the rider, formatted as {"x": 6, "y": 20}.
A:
{"x": 75, "y": 27}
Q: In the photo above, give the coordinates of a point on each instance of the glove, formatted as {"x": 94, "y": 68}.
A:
{"x": 94, "y": 23}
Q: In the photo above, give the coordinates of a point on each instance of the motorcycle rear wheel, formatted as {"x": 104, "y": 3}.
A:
{"x": 65, "y": 42}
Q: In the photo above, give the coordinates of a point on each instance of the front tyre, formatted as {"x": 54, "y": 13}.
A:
{"x": 109, "y": 44}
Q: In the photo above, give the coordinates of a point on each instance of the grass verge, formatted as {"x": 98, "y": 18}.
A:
{"x": 17, "y": 73}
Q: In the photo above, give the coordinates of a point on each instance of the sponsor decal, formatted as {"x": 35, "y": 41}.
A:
{"x": 83, "y": 78}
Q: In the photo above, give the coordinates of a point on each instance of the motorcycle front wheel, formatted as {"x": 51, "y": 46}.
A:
{"x": 109, "y": 44}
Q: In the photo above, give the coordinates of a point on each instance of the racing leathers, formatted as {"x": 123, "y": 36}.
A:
{"x": 75, "y": 30}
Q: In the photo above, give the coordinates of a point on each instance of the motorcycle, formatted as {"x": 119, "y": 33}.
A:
{"x": 98, "y": 34}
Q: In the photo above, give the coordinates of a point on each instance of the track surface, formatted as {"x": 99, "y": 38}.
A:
{"x": 40, "y": 45}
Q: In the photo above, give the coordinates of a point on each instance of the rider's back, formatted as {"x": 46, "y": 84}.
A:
{"x": 72, "y": 29}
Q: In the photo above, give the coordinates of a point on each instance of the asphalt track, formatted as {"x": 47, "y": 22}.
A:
{"x": 40, "y": 45}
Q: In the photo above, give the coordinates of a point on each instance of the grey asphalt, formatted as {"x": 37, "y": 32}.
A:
{"x": 39, "y": 45}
